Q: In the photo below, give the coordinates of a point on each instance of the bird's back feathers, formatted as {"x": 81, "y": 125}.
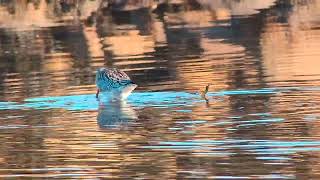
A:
{"x": 111, "y": 78}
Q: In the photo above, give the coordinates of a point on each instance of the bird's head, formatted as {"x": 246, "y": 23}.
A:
{"x": 100, "y": 72}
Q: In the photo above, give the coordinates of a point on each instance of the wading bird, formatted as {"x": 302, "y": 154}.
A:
{"x": 114, "y": 82}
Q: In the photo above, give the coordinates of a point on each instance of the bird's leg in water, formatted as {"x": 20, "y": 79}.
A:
{"x": 97, "y": 94}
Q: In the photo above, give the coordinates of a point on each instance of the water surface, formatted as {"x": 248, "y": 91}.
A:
{"x": 260, "y": 120}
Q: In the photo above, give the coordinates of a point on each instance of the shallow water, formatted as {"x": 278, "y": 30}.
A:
{"x": 260, "y": 119}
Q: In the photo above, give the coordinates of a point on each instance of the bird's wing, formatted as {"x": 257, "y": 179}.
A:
{"x": 117, "y": 75}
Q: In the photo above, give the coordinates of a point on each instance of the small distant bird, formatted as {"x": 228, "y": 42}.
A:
{"x": 115, "y": 82}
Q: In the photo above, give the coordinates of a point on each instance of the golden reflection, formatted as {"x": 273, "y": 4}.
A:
{"x": 57, "y": 62}
{"x": 291, "y": 51}
{"x": 243, "y": 7}
{"x": 191, "y": 53}
{"x": 132, "y": 5}
{"x": 159, "y": 34}
{"x": 58, "y": 68}
{"x": 26, "y": 15}
{"x": 195, "y": 75}
{"x": 23, "y": 15}
{"x": 95, "y": 47}
{"x": 221, "y": 14}
{"x": 129, "y": 44}
{"x": 191, "y": 18}
{"x": 121, "y": 153}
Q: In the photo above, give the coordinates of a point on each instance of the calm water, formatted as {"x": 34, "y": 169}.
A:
{"x": 261, "y": 121}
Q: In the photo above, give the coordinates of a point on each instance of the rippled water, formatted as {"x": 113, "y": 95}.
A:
{"x": 260, "y": 120}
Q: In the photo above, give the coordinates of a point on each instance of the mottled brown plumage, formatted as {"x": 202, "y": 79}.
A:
{"x": 115, "y": 81}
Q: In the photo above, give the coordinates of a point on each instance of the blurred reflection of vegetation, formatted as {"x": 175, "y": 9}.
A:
{"x": 60, "y": 43}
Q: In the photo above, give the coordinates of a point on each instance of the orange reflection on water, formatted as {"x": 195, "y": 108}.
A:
{"x": 291, "y": 50}
{"x": 53, "y": 49}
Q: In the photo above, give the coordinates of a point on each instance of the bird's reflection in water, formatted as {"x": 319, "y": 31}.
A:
{"x": 115, "y": 114}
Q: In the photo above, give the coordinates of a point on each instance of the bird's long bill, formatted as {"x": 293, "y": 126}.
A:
{"x": 97, "y": 94}
{"x": 127, "y": 90}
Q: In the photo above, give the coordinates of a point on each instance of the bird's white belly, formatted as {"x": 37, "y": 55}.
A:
{"x": 117, "y": 93}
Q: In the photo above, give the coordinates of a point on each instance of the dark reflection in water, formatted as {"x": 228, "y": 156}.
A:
{"x": 260, "y": 122}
